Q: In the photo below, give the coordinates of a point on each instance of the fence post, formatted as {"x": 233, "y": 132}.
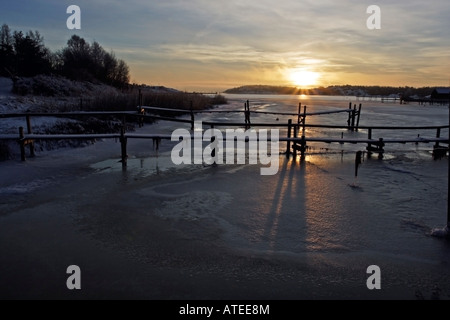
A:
{"x": 303, "y": 150}
{"x": 369, "y": 148}
{"x": 353, "y": 118}
{"x": 296, "y": 129}
{"x": 359, "y": 117}
{"x": 299, "y": 120}
{"x": 30, "y": 131}
{"x": 213, "y": 151}
{"x": 22, "y": 143}
{"x": 381, "y": 148}
{"x": 123, "y": 145}
{"x": 304, "y": 119}
{"x": 289, "y": 134}
{"x": 349, "y": 121}
{"x": 247, "y": 115}
{"x": 192, "y": 116}
{"x": 448, "y": 188}
{"x": 438, "y": 135}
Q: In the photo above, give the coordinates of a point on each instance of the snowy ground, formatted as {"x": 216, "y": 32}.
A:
{"x": 12, "y": 103}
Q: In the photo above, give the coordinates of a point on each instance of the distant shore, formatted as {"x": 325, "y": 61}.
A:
{"x": 346, "y": 90}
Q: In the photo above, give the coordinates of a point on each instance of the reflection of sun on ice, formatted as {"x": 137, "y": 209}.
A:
{"x": 303, "y": 78}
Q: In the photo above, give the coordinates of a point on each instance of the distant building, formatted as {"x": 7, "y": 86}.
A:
{"x": 440, "y": 95}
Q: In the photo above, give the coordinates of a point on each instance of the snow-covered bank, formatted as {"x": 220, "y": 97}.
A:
{"x": 60, "y": 95}
{"x": 47, "y": 94}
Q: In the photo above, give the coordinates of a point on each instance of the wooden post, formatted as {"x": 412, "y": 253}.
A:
{"x": 353, "y": 118}
{"x": 304, "y": 120}
{"x": 30, "y": 131}
{"x": 438, "y": 135}
{"x": 299, "y": 113}
{"x": 123, "y": 144}
{"x": 349, "y": 122}
{"x": 359, "y": 117}
{"x": 248, "y": 110}
{"x": 438, "y": 152}
{"x": 81, "y": 104}
{"x": 247, "y": 115}
{"x": 369, "y": 148}
{"x": 381, "y": 149}
{"x": 192, "y": 116}
{"x": 296, "y": 129}
{"x": 448, "y": 188}
{"x": 22, "y": 143}
{"x": 289, "y": 135}
{"x": 303, "y": 150}
{"x": 213, "y": 151}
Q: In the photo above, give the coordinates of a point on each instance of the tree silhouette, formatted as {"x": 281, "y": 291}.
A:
{"x": 6, "y": 51}
{"x": 31, "y": 56}
{"x": 25, "y": 55}
{"x": 83, "y": 61}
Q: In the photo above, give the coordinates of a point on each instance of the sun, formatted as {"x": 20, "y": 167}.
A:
{"x": 303, "y": 78}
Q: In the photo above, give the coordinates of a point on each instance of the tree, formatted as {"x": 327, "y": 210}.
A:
{"x": 6, "y": 51}
{"x": 109, "y": 65}
{"x": 84, "y": 61}
{"x": 26, "y": 55}
{"x": 97, "y": 54}
{"x": 77, "y": 59}
{"x": 122, "y": 75}
{"x": 31, "y": 56}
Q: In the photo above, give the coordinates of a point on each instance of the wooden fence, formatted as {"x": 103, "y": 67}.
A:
{"x": 296, "y": 139}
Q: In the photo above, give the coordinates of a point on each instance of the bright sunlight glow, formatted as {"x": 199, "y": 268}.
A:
{"x": 304, "y": 78}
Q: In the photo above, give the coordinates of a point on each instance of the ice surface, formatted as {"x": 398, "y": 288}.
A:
{"x": 312, "y": 225}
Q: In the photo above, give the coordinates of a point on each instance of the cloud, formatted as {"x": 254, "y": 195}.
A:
{"x": 236, "y": 37}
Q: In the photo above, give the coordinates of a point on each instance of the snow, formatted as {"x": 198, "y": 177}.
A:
{"x": 6, "y": 85}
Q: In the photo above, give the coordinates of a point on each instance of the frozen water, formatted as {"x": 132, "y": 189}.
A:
{"x": 313, "y": 225}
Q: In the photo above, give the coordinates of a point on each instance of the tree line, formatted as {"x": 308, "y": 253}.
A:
{"x": 25, "y": 55}
{"x": 334, "y": 90}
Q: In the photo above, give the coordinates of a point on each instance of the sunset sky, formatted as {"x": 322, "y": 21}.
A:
{"x": 210, "y": 45}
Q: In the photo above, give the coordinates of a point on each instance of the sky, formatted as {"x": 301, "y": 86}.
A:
{"x": 211, "y": 45}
